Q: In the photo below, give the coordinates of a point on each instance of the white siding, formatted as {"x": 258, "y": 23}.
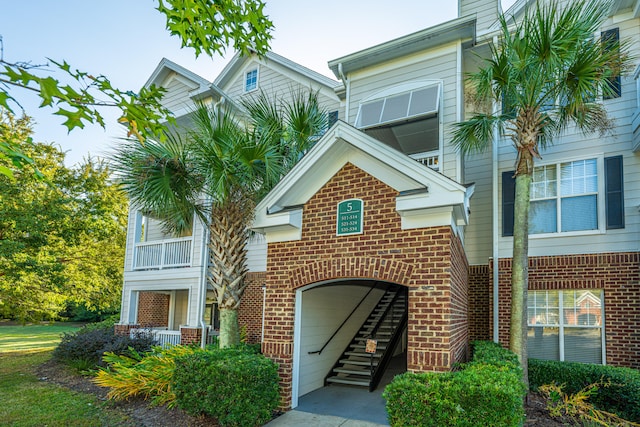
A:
{"x": 573, "y": 145}
{"x": 434, "y": 65}
{"x": 257, "y": 253}
{"x": 486, "y": 12}
{"x": 324, "y": 309}
{"x": 176, "y": 97}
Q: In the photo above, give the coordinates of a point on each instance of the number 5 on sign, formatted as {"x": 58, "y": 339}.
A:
{"x": 350, "y": 217}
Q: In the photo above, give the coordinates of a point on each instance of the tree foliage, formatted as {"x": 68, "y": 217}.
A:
{"x": 207, "y": 26}
{"x": 62, "y": 232}
{"x": 546, "y": 72}
{"x": 218, "y": 173}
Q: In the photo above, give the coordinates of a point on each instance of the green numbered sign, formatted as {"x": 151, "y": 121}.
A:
{"x": 350, "y": 217}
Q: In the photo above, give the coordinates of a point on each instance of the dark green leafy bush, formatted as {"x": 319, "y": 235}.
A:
{"x": 235, "y": 386}
{"x": 622, "y": 397}
{"x": 84, "y": 348}
{"x": 485, "y": 392}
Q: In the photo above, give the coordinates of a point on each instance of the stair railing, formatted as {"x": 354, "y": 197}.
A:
{"x": 378, "y": 371}
{"x": 344, "y": 322}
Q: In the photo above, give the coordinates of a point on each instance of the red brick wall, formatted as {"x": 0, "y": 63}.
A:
{"x": 427, "y": 261}
{"x": 480, "y": 311}
{"x": 153, "y": 309}
{"x": 190, "y": 336}
{"x": 618, "y": 274}
{"x": 250, "y": 311}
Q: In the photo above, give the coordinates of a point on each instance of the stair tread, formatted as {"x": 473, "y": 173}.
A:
{"x": 347, "y": 381}
{"x": 366, "y": 372}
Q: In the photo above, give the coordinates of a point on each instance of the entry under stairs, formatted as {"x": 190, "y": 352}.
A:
{"x": 361, "y": 366}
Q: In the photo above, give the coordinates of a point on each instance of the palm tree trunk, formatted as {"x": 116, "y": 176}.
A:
{"x": 520, "y": 271}
{"x": 229, "y": 328}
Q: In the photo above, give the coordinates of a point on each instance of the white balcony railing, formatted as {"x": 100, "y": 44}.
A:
{"x": 171, "y": 253}
{"x": 430, "y": 159}
{"x": 163, "y": 337}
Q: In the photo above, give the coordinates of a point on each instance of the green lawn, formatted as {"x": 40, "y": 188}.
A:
{"x": 28, "y": 401}
{"x": 32, "y": 337}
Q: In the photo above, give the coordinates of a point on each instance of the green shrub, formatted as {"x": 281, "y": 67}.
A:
{"x": 487, "y": 391}
{"x": 622, "y": 397}
{"x": 235, "y": 386}
{"x": 85, "y": 347}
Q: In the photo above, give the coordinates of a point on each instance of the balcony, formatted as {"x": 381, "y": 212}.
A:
{"x": 158, "y": 255}
{"x": 430, "y": 159}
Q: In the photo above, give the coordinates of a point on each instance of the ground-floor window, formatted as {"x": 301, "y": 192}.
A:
{"x": 566, "y": 325}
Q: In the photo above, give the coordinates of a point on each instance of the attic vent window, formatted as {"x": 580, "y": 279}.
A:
{"x": 419, "y": 102}
{"x": 251, "y": 80}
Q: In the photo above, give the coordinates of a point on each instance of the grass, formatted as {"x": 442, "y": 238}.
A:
{"x": 32, "y": 337}
{"x": 28, "y": 401}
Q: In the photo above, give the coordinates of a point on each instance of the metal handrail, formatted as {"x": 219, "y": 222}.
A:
{"x": 344, "y": 321}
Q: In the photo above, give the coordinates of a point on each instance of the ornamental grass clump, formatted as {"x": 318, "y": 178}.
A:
{"x": 147, "y": 375}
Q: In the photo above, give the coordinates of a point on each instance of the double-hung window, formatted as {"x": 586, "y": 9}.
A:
{"x": 564, "y": 197}
{"x": 251, "y": 80}
{"x": 575, "y": 196}
{"x": 565, "y": 325}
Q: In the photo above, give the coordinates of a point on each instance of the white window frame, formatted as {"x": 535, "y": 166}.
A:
{"x": 561, "y": 324}
{"x": 246, "y": 87}
{"x": 600, "y": 199}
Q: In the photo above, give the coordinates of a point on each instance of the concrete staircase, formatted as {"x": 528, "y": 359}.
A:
{"x": 385, "y": 324}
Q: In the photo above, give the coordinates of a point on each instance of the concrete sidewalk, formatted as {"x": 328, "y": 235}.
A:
{"x": 296, "y": 418}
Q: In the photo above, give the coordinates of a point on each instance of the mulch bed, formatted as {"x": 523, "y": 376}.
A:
{"x": 141, "y": 413}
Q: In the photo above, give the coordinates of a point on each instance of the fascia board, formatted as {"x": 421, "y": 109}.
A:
{"x": 456, "y": 29}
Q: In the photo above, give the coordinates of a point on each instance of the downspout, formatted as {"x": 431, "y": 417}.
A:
{"x": 264, "y": 301}
{"x": 203, "y": 290}
{"x": 460, "y": 102}
{"x": 347, "y": 85}
{"x": 494, "y": 225}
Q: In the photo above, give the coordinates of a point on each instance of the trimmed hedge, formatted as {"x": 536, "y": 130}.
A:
{"x": 621, "y": 398}
{"x": 487, "y": 391}
{"x": 235, "y": 386}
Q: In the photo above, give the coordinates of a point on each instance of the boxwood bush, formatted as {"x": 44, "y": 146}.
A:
{"x": 487, "y": 391}
{"x": 622, "y": 397}
{"x": 235, "y": 386}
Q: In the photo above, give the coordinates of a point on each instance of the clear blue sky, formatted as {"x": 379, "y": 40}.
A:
{"x": 125, "y": 40}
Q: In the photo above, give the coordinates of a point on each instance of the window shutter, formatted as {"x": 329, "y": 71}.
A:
{"x": 614, "y": 192}
{"x": 610, "y": 41}
{"x": 508, "y": 199}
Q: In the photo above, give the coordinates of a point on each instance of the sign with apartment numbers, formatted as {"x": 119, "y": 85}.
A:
{"x": 350, "y": 217}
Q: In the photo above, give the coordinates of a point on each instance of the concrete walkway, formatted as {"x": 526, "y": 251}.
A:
{"x": 297, "y": 418}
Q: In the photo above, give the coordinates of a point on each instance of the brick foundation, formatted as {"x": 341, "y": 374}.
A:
{"x": 480, "y": 308}
{"x": 190, "y": 336}
{"x": 618, "y": 274}
{"x": 153, "y": 309}
{"x": 250, "y": 310}
{"x": 430, "y": 262}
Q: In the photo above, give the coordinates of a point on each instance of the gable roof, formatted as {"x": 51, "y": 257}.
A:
{"x": 460, "y": 28}
{"x": 422, "y": 191}
{"x": 166, "y": 66}
{"x": 238, "y": 61}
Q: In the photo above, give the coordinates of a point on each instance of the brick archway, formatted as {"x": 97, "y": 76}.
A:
{"x": 386, "y": 270}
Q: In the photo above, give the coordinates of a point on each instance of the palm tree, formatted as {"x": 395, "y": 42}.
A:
{"x": 545, "y": 71}
{"x": 217, "y": 172}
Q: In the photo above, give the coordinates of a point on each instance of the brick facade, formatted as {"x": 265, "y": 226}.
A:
{"x": 190, "y": 335}
{"x": 250, "y": 310}
{"x": 153, "y": 309}
{"x": 480, "y": 303}
{"x": 124, "y": 329}
{"x": 618, "y": 274}
{"x": 429, "y": 261}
